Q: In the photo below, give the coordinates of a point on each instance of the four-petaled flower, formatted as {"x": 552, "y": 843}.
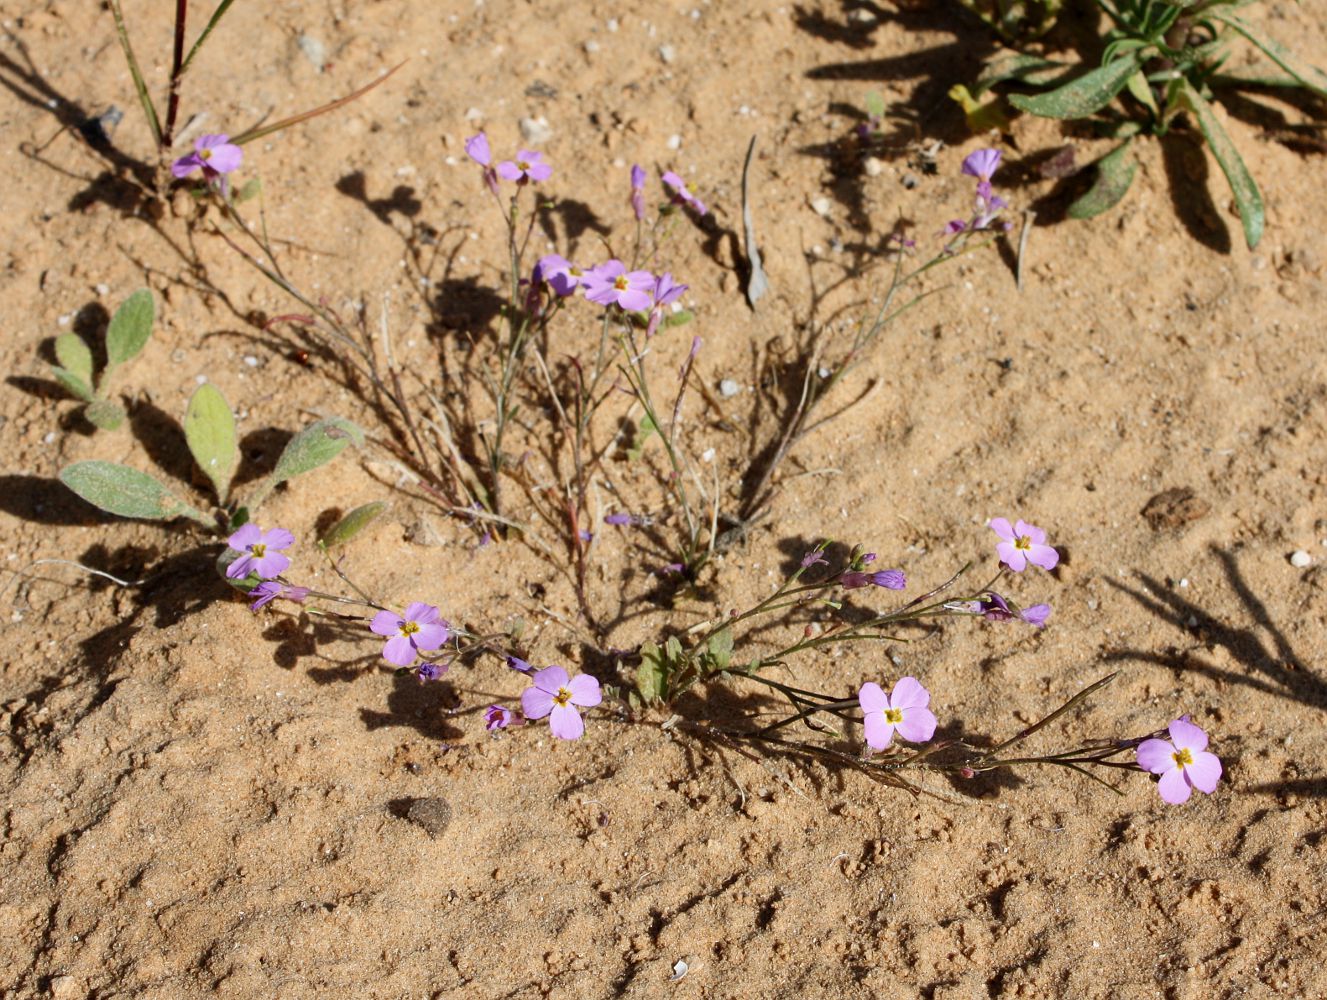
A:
{"x": 259, "y": 552}
{"x": 638, "y": 191}
{"x": 1183, "y": 762}
{"x": 904, "y": 710}
{"x": 891, "y": 579}
{"x": 1022, "y": 544}
{"x": 681, "y": 195}
{"x": 554, "y": 694}
{"x": 560, "y": 274}
{"x": 270, "y": 590}
{"x": 420, "y": 628}
{"x": 982, "y": 164}
{"x": 666, "y": 292}
{"x": 213, "y": 154}
{"x": 612, "y": 284}
{"x": 528, "y": 166}
{"x": 496, "y": 717}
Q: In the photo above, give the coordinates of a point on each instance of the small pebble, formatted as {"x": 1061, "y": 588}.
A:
{"x": 674, "y": 142}
{"x": 535, "y": 130}
{"x": 590, "y": 46}
{"x": 873, "y": 166}
{"x": 314, "y": 50}
{"x": 910, "y": 181}
{"x": 667, "y": 53}
{"x": 1301, "y": 559}
{"x": 821, "y": 206}
{"x": 728, "y": 388}
{"x": 251, "y": 361}
{"x": 433, "y": 815}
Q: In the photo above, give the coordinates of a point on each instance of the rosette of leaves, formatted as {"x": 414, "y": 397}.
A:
{"x": 127, "y": 335}
{"x": 209, "y": 429}
{"x": 1164, "y": 60}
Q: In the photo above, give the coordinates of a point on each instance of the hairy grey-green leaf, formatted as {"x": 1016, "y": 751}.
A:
{"x": 1247, "y": 196}
{"x": 650, "y": 673}
{"x": 1084, "y": 96}
{"x": 126, "y": 492}
{"x": 130, "y": 327}
{"x": 73, "y": 383}
{"x": 721, "y": 649}
{"x": 1309, "y": 76}
{"x": 352, "y": 524}
{"x": 312, "y": 447}
{"x": 74, "y": 356}
{"x": 209, "y": 428}
{"x": 1115, "y": 172}
{"x": 106, "y": 414}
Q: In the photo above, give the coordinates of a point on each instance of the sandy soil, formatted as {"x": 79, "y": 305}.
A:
{"x": 198, "y": 801}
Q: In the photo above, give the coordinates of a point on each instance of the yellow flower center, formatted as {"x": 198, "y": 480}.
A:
{"x": 409, "y": 628}
{"x": 562, "y": 697}
{"x": 205, "y": 154}
{"x": 621, "y": 283}
{"x": 258, "y": 549}
{"x": 1182, "y": 757}
{"x": 1023, "y": 542}
{"x": 893, "y": 716}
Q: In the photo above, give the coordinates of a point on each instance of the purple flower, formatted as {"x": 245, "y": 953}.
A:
{"x": 496, "y": 717}
{"x": 476, "y": 147}
{"x": 260, "y": 552}
{"x": 560, "y": 274}
{"x": 528, "y": 166}
{"x": 420, "y": 628}
{"x": 982, "y": 164}
{"x": 953, "y": 227}
{"x": 1022, "y": 544}
{"x": 1036, "y": 615}
{"x": 994, "y": 608}
{"x": 681, "y": 196}
{"x": 638, "y": 191}
{"x": 553, "y": 694}
{"x": 430, "y": 671}
{"x": 213, "y": 154}
{"x": 270, "y": 590}
{"x": 890, "y": 579}
{"x": 1182, "y": 761}
{"x": 666, "y": 292}
{"x": 904, "y": 709}
{"x": 813, "y": 558}
{"x": 611, "y": 284}
{"x": 519, "y": 665}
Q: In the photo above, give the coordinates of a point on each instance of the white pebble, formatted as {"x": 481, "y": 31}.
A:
{"x": 590, "y": 46}
{"x": 473, "y": 115}
{"x": 873, "y": 167}
{"x": 728, "y": 388}
{"x": 1184, "y": 583}
{"x": 535, "y": 130}
{"x": 675, "y": 142}
{"x": 251, "y": 361}
{"x": 821, "y": 206}
{"x": 667, "y": 53}
{"x": 707, "y": 455}
{"x": 612, "y": 24}
{"x": 1300, "y": 559}
{"x": 101, "y": 289}
{"x": 200, "y": 379}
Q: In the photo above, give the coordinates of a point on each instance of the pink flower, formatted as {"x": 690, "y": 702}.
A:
{"x": 269, "y": 590}
{"x": 904, "y": 709}
{"x": 496, "y": 717}
{"x": 1023, "y": 543}
{"x": 476, "y": 147}
{"x": 612, "y": 284}
{"x": 982, "y": 164}
{"x": 260, "y": 552}
{"x": 681, "y": 195}
{"x": 552, "y": 693}
{"x": 213, "y": 154}
{"x": 1182, "y": 761}
{"x": 420, "y": 628}
{"x": 528, "y": 166}
{"x": 560, "y": 274}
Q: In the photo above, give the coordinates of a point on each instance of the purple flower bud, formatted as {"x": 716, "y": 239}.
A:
{"x": 813, "y": 558}
{"x": 519, "y": 665}
{"x": 476, "y": 147}
{"x": 430, "y": 671}
{"x": 890, "y": 579}
{"x": 638, "y": 191}
{"x": 618, "y": 519}
{"x": 496, "y": 717}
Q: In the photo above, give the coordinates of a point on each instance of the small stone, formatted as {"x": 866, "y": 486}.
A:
{"x": 434, "y": 815}
{"x": 667, "y": 53}
{"x": 873, "y": 166}
{"x": 729, "y": 388}
{"x": 674, "y": 142}
{"x": 314, "y": 50}
{"x": 473, "y": 114}
{"x": 535, "y": 131}
{"x": 64, "y": 988}
{"x": 590, "y": 46}
{"x": 821, "y": 206}
{"x": 1301, "y": 559}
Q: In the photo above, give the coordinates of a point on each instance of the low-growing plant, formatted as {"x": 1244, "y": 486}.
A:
{"x": 126, "y": 336}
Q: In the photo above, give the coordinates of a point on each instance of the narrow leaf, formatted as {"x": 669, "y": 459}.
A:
{"x": 74, "y": 355}
{"x": 140, "y": 85}
{"x": 212, "y": 23}
{"x": 209, "y": 428}
{"x": 352, "y": 524}
{"x": 262, "y": 130}
{"x": 1309, "y": 76}
{"x": 130, "y": 327}
{"x": 106, "y": 414}
{"x": 73, "y": 383}
{"x": 1247, "y": 196}
{"x": 757, "y": 282}
{"x": 1115, "y": 172}
{"x": 1029, "y": 69}
{"x": 126, "y": 492}
{"x": 1084, "y": 96}
{"x": 312, "y": 447}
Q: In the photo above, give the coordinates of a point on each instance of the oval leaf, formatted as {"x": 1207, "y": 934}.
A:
{"x": 75, "y": 384}
{"x": 1115, "y": 172}
{"x": 126, "y": 492}
{"x": 1247, "y": 196}
{"x": 106, "y": 414}
{"x": 74, "y": 355}
{"x": 352, "y": 524}
{"x": 1084, "y": 96}
{"x": 209, "y": 427}
{"x": 130, "y": 327}
{"x": 316, "y": 445}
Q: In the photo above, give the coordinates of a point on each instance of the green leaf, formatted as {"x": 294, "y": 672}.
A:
{"x": 644, "y": 432}
{"x": 73, "y": 383}
{"x": 1115, "y": 172}
{"x": 875, "y": 104}
{"x": 1142, "y": 92}
{"x": 720, "y": 650}
{"x": 680, "y": 318}
{"x": 650, "y": 675}
{"x": 74, "y": 356}
{"x": 1247, "y": 196}
{"x": 1029, "y": 69}
{"x": 130, "y": 327}
{"x": 209, "y": 428}
{"x": 352, "y": 524}
{"x": 1309, "y": 76}
{"x": 1084, "y": 96}
{"x": 126, "y": 492}
{"x": 106, "y": 414}
{"x": 251, "y": 188}
{"x": 312, "y": 447}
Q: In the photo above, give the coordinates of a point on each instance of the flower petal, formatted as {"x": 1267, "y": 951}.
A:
{"x": 634, "y": 300}
{"x": 918, "y": 725}
{"x": 1012, "y": 556}
{"x": 1001, "y": 526}
{"x": 476, "y": 147}
{"x": 879, "y": 733}
{"x": 270, "y": 565}
{"x": 510, "y": 171}
{"x": 536, "y": 703}
{"x": 1204, "y": 772}
{"x": 1174, "y": 786}
{"x": 244, "y": 536}
{"x": 1042, "y": 555}
{"x": 226, "y": 158}
{"x": 909, "y": 693}
{"x": 399, "y": 650}
{"x": 565, "y": 723}
{"x": 239, "y": 569}
{"x": 872, "y": 698}
{"x": 540, "y": 172}
{"x": 550, "y": 679}
{"x": 385, "y": 623}
{"x": 1157, "y": 756}
{"x": 421, "y": 613}
{"x": 585, "y": 691}
{"x": 1187, "y": 736}
{"x": 277, "y": 538}
{"x": 186, "y": 165}
{"x": 1023, "y": 529}
{"x": 431, "y": 636}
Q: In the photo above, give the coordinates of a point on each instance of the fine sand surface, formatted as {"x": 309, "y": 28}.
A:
{"x": 198, "y": 801}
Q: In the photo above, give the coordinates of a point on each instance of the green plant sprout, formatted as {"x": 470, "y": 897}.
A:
{"x": 1168, "y": 57}
{"x": 127, "y": 335}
